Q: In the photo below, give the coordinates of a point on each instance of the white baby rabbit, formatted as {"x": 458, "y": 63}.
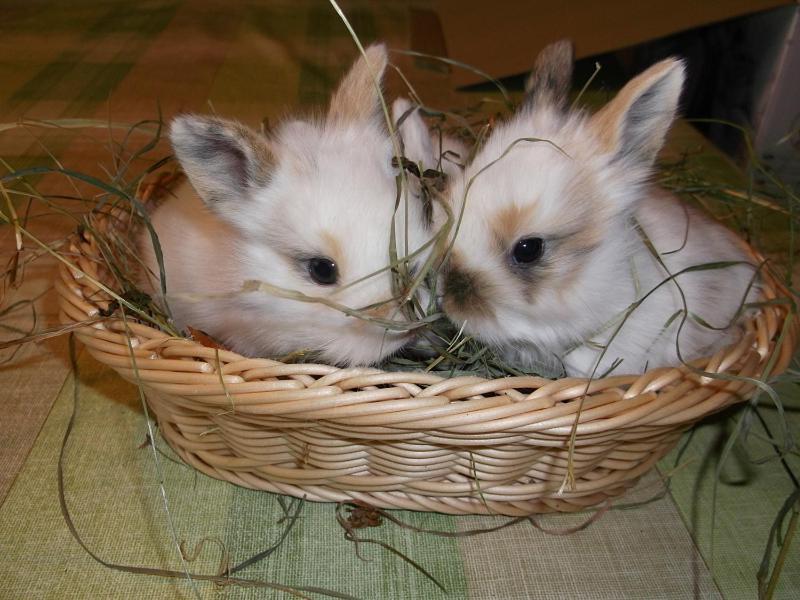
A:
{"x": 551, "y": 252}
{"x": 308, "y": 208}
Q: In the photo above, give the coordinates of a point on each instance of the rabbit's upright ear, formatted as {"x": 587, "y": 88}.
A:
{"x": 224, "y": 160}
{"x": 414, "y": 133}
{"x": 357, "y": 97}
{"x": 551, "y": 78}
{"x": 634, "y": 124}
{"x": 417, "y": 147}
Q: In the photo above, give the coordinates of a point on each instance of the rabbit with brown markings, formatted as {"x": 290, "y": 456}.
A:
{"x": 566, "y": 253}
{"x": 308, "y": 208}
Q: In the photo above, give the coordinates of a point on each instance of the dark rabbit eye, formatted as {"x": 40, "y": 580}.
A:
{"x": 323, "y": 270}
{"x": 528, "y": 250}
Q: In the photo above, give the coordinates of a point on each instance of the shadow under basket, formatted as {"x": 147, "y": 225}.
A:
{"x": 410, "y": 440}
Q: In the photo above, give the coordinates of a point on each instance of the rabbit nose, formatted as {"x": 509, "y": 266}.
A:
{"x": 459, "y": 287}
{"x": 467, "y": 294}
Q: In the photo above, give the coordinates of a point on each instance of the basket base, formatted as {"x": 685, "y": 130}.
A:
{"x": 484, "y": 502}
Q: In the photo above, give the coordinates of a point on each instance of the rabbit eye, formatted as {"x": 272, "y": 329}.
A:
{"x": 323, "y": 270}
{"x": 528, "y": 250}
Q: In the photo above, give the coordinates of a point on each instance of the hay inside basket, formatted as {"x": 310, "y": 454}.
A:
{"x": 410, "y": 440}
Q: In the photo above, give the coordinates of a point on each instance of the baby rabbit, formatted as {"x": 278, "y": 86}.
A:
{"x": 552, "y": 253}
{"x": 309, "y": 209}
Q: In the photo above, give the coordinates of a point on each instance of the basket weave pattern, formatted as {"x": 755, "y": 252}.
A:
{"x": 410, "y": 440}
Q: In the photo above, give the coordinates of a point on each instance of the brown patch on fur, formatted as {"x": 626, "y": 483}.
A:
{"x": 506, "y": 223}
{"x": 333, "y": 248}
{"x": 466, "y": 291}
{"x": 356, "y": 98}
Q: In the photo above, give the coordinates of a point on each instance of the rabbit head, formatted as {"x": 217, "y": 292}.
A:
{"x": 544, "y": 207}
{"x": 311, "y": 208}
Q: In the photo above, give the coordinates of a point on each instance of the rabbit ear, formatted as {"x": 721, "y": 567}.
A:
{"x": 224, "y": 160}
{"x": 417, "y": 145}
{"x": 550, "y": 80}
{"x": 357, "y": 95}
{"x": 634, "y": 124}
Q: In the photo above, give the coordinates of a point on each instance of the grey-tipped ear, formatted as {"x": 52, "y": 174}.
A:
{"x": 357, "y": 98}
{"x": 634, "y": 124}
{"x": 414, "y": 133}
{"x": 224, "y": 160}
{"x": 551, "y": 78}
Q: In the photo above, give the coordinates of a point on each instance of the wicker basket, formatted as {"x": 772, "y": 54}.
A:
{"x": 410, "y": 440}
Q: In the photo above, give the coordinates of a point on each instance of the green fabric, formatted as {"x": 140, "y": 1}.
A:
{"x": 115, "y": 501}
{"x": 316, "y": 553}
{"x": 112, "y": 496}
{"x": 748, "y": 496}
